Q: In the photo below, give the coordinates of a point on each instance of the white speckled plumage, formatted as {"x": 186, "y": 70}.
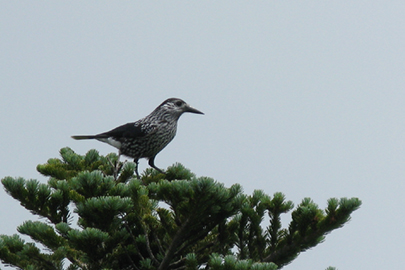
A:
{"x": 146, "y": 137}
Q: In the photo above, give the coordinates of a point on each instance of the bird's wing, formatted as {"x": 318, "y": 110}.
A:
{"x": 130, "y": 130}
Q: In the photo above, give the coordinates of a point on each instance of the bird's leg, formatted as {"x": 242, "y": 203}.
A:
{"x": 152, "y": 164}
{"x": 136, "y": 168}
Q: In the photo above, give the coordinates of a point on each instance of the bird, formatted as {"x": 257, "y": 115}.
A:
{"x": 146, "y": 137}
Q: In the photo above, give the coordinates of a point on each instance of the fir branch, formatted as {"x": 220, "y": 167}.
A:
{"x": 159, "y": 244}
{"x": 174, "y": 244}
{"x": 181, "y": 260}
{"x": 155, "y": 261}
{"x": 287, "y": 253}
{"x": 130, "y": 259}
{"x": 134, "y": 240}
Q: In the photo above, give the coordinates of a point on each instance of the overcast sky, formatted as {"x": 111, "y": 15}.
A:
{"x": 300, "y": 97}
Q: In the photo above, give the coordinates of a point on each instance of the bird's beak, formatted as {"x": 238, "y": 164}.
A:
{"x": 192, "y": 110}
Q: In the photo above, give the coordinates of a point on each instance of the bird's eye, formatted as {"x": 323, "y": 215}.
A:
{"x": 179, "y": 103}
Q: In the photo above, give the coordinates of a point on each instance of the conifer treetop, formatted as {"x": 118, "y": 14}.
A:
{"x": 161, "y": 221}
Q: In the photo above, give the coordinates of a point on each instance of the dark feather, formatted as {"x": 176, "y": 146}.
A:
{"x": 83, "y": 137}
{"x": 129, "y": 130}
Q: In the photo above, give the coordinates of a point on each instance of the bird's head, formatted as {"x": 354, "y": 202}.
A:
{"x": 177, "y": 107}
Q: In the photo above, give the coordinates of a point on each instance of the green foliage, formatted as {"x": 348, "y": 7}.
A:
{"x": 161, "y": 221}
{"x": 218, "y": 262}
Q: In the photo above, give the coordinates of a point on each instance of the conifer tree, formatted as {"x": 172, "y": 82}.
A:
{"x": 95, "y": 218}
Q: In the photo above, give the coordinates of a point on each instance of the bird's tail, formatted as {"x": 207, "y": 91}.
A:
{"x": 83, "y": 137}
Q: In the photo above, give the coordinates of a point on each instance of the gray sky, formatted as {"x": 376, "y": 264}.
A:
{"x": 305, "y": 97}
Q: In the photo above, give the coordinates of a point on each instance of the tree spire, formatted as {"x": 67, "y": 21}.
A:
{"x": 180, "y": 222}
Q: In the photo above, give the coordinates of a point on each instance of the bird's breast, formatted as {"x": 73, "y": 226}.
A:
{"x": 150, "y": 144}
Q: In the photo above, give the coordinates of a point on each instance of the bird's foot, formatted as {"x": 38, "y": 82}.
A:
{"x": 159, "y": 170}
{"x": 152, "y": 164}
